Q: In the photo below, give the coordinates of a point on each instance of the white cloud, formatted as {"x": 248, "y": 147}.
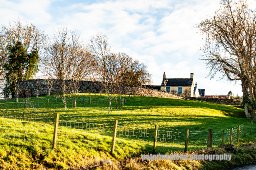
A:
{"x": 169, "y": 42}
{"x": 162, "y": 34}
{"x": 28, "y": 11}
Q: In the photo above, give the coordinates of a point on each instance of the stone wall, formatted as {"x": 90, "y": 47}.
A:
{"x": 227, "y": 101}
{"x": 40, "y": 87}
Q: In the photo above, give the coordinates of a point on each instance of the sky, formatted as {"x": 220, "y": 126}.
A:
{"x": 162, "y": 34}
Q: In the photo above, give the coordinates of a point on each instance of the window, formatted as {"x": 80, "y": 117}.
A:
{"x": 180, "y": 90}
{"x": 168, "y": 89}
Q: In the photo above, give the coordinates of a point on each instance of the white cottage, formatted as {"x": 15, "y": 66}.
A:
{"x": 179, "y": 86}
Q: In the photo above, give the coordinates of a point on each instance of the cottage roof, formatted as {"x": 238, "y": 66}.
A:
{"x": 154, "y": 87}
{"x": 179, "y": 81}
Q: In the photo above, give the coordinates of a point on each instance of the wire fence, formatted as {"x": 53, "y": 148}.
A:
{"x": 114, "y": 102}
{"x": 166, "y": 136}
{"x": 26, "y": 112}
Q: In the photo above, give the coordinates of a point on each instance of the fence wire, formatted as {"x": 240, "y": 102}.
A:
{"x": 27, "y": 111}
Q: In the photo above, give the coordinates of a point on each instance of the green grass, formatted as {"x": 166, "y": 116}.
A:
{"x": 85, "y": 132}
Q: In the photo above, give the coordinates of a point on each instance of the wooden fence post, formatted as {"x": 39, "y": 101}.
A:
{"x": 54, "y": 143}
{"x": 231, "y": 136}
{"x": 186, "y": 140}
{"x": 155, "y": 138}
{"x": 122, "y": 102}
{"x": 74, "y": 102}
{"x": 114, "y": 137}
{"x": 209, "y": 142}
{"x": 223, "y": 137}
{"x": 238, "y": 133}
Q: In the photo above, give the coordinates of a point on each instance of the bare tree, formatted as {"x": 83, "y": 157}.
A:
{"x": 118, "y": 72}
{"x": 68, "y": 60}
{"x": 231, "y": 47}
{"x": 57, "y": 61}
{"x": 100, "y": 49}
{"x": 48, "y": 76}
{"x": 82, "y": 68}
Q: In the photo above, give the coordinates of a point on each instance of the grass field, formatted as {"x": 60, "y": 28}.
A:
{"x": 85, "y": 132}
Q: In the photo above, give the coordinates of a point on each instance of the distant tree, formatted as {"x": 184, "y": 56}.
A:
{"x": 105, "y": 64}
{"x": 117, "y": 71}
{"x": 19, "y": 43}
{"x": 99, "y": 48}
{"x": 19, "y": 66}
{"x": 82, "y": 68}
{"x": 231, "y": 47}
{"x": 133, "y": 75}
{"x": 66, "y": 59}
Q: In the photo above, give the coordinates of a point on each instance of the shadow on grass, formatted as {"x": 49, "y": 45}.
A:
{"x": 92, "y": 121}
{"x": 102, "y": 101}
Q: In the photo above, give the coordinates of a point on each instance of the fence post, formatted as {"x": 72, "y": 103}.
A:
{"x": 122, "y": 101}
{"x": 223, "y": 137}
{"x": 114, "y": 137}
{"x": 54, "y": 143}
{"x": 186, "y": 140}
{"x": 74, "y": 102}
{"x": 155, "y": 138}
{"x": 209, "y": 142}
{"x": 238, "y": 133}
{"x": 231, "y": 136}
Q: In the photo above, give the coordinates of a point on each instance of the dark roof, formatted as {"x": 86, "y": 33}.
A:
{"x": 179, "y": 81}
{"x": 153, "y": 87}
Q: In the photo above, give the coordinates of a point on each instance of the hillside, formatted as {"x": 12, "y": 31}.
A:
{"x": 85, "y": 132}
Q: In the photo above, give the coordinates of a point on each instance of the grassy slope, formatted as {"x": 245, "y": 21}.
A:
{"x": 27, "y": 144}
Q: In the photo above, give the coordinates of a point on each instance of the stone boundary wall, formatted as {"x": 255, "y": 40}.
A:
{"x": 41, "y": 87}
{"x": 231, "y": 101}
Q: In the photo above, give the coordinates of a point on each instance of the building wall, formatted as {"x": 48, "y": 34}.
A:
{"x": 163, "y": 88}
{"x": 192, "y": 90}
{"x": 186, "y": 90}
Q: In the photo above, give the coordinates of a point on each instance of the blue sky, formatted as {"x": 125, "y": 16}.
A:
{"x": 160, "y": 33}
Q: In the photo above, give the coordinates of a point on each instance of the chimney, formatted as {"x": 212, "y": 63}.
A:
{"x": 164, "y": 76}
{"x": 191, "y": 75}
{"x": 164, "y": 79}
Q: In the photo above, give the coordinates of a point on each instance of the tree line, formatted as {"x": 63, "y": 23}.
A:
{"x": 25, "y": 51}
{"x": 230, "y": 49}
